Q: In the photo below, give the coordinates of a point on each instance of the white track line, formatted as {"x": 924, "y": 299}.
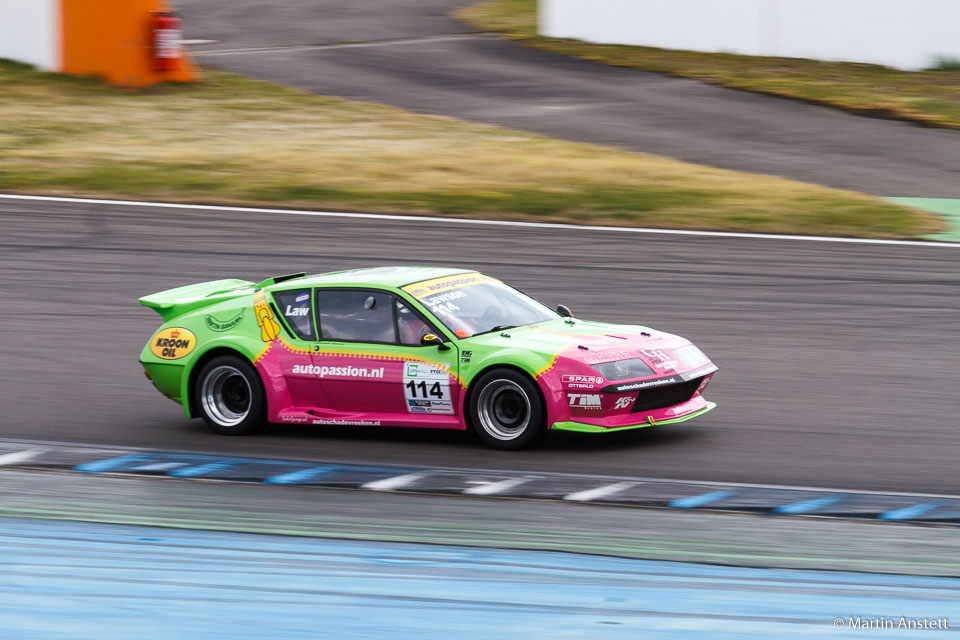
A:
{"x": 395, "y": 482}
{"x": 206, "y": 53}
{"x": 19, "y": 456}
{"x": 491, "y": 488}
{"x": 162, "y": 466}
{"x": 599, "y": 492}
{"x": 460, "y": 470}
{"x": 490, "y": 223}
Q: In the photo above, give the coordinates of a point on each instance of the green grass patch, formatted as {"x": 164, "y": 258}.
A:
{"x": 233, "y": 140}
{"x": 930, "y": 97}
{"x": 946, "y": 63}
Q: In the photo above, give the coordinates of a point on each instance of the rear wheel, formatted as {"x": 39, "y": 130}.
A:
{"x": 506, "y": 411}
{"x": 230, "y": 396}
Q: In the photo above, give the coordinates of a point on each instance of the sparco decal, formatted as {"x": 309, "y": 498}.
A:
{"x": 215, "y": 324}
{"x": 173, "y": 343}
{"x": 582, "y": 382}
{"x": 639, "y": 386}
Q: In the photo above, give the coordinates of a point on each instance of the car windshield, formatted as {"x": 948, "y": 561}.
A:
{"x": 471, "y": 303}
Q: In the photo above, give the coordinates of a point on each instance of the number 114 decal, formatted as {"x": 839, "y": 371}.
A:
{"x": 436, "y": 391}
{"x": 426, "y": 389}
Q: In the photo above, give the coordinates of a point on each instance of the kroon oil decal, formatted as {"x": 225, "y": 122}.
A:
{"x": 173, "y": 343}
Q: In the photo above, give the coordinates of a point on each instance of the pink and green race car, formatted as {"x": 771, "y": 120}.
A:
{"x": 413, "y": 347}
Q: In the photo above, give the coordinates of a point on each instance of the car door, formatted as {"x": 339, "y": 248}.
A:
{"x": 294, "y": 356}
{"x": 369, "y": 358}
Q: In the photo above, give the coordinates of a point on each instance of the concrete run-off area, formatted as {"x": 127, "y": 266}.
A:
{"x": 732, "y": 539}
{"x": 109, "y": 582}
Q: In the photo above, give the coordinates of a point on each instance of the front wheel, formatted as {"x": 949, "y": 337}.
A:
{"x": 506, "y": 410}
{"x": 230, "y": 396}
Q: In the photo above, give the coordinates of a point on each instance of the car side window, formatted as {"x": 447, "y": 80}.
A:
{"x": 356, "y": 315}
{"x": 295, "y": 308}
{"x": 409, "y": 325}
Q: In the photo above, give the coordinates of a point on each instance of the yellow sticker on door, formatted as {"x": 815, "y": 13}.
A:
{"x": 173, "y": 343}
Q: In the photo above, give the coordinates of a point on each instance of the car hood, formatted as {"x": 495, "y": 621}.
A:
{"x": 592, "y": 343}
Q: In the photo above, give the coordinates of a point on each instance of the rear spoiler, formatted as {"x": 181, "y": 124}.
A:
{"x": 174, "y": 302}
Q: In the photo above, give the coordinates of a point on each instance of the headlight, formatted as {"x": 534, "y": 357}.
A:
{"x": 690, "y": 355}
{"x": 624, "y": 369}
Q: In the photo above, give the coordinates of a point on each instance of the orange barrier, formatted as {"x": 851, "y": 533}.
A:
{"x": 115, "y": 39}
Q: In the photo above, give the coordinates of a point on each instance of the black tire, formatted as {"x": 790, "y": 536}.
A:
{"x": 506, "y": 410}
{"x": 229, "y": 396}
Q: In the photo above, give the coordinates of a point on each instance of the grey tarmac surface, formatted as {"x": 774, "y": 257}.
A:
{"x": 838, "y": 361}
{"x": 712, "y": 538}
{"x": 483, "y": 78}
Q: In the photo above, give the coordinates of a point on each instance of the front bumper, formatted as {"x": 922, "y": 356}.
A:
{"x": 582, "y": 427}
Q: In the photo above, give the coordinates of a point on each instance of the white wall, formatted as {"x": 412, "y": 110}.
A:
{"x": 901, "y": 33}
{"x": 30, "y": 32}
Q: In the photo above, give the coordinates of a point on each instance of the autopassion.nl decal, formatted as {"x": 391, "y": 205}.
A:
{"x": 338, "y": 372}
{"x": 173, "y": 343}
{"x": 426, "y": 288}
{"x": 318, "y": 350}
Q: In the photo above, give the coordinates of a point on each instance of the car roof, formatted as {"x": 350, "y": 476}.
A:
{"x": 377, "y": 276}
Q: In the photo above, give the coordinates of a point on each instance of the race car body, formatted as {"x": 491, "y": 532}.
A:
{"x": 413, "y": 346}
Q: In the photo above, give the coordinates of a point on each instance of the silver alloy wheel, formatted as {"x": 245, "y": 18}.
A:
{"x": 504, "y": 409}
{"x": 226, "y": 396}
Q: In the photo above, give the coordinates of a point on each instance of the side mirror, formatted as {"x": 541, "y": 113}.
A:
{"x": 431, "y": 339}
{"x": 564, "y": 311}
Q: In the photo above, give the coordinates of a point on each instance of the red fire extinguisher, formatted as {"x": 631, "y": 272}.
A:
{"x": 167, "y": 36}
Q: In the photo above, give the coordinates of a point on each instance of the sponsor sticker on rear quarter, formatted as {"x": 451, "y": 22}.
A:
{"x": 216, "y": 324}
{"x": 173, "y": 343}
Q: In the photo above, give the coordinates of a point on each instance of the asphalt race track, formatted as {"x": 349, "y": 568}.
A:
{"x": 409, "y": 53}
{"x": 838, "y": 360}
